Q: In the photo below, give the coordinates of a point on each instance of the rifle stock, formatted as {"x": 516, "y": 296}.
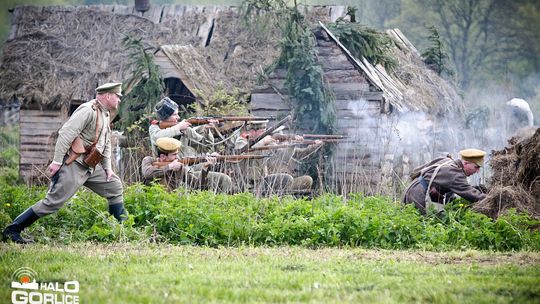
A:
{"x": 206, "y": 120}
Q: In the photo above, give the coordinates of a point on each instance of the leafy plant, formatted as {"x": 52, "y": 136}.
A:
{"x": 204, "y": 218}
{"x": 220, "y": 103}
{"x": 363, "y": 41}
{"x": 314, "y": 101}
{"x": 145, "y": 87}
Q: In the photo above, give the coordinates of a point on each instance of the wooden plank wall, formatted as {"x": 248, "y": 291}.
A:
{"x": 360, "y": 114}
{"x": 36, "y": 141}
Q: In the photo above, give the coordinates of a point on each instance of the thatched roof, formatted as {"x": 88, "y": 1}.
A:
{"x": 57, "y": 54}
{"x": 412, "y": 86}
{"x": 423, "y": 89}
{"x": 195, "y": 72}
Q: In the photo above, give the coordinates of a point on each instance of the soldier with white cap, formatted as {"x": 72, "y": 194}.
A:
{"x": 435, "y": 182}
{"x": 82, "y": 157}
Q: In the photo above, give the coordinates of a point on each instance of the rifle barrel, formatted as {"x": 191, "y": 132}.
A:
{"x": 272, "y": 147}
{"x": 324, "y": 136}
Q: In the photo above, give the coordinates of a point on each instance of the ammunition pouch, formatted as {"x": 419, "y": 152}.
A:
{"x": 92, "y": 157}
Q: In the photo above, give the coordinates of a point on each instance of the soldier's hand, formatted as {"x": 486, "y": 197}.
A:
{"x": 319, "y": 142}
{"x": 482, "y": 188}
{"x": 211, "y": 160}
{"x": 298, "y": 138}
{"x": 53, "y": 168}
{"x": 109, "y": 173}
{"x": 176, "y": 165}
{"x": 181, "y": 126}
{"x": 213, "y": 122}
{"x": 268, "y": 140}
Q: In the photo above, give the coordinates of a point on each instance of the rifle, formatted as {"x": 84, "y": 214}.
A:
{"x": 296, "y": 143}
{"x": 199, "y": 159}
{"x": 272, "y": 147}
{"x": 330, "y": 140}
{"x": 325, "y": 136}
{"x": 205, "y": 120}
{"x": 228, "y": 128}
{"x": 266, "y": 133}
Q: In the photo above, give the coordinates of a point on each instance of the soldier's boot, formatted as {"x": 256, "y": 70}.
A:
{"x": 13, "y": 231}
{"x": 118, "y": 211}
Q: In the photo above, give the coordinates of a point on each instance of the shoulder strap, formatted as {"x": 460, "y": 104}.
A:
{"x": 98, "y": 131}
{"x": 427, "y": 199}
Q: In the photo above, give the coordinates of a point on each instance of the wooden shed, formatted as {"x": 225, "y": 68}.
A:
{"x": 369, "y": 104}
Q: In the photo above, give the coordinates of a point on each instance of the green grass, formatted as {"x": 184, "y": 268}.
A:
{"x": 148, "y": 273}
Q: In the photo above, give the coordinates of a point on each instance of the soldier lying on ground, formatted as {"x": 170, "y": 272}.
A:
{"x": 173, "y": 174}
{"x": 275, "y": 175}
{"x": 445, "y": 177}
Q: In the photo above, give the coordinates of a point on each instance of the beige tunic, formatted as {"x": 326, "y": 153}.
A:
{"x": 83, "y": 123}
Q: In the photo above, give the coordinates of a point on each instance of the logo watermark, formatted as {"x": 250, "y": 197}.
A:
{"x": 27, "y": 290}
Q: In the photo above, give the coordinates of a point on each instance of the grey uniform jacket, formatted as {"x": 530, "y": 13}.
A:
{"x": 450, "y": 179}
{"x": 193, "y": 142}
{"x": 83, "y": 123}
{"x": 169, "y": 177}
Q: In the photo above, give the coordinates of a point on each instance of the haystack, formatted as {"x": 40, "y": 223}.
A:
{"x": 516, "y": 177}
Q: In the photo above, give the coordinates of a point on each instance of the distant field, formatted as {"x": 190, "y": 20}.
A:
{"x": 146, "y": 273}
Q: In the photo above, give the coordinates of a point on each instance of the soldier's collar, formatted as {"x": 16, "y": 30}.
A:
{"x": 101, "y": 107}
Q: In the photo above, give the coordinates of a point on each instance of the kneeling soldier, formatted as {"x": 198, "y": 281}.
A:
{"x": 435, "y": 183}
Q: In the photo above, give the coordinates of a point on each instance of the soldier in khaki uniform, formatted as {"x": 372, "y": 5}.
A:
{"x": 68, "y": 178}
{"x": 169, "y": 171}
{"x": 445, "y": 177}
{"x": 275, "y": 174}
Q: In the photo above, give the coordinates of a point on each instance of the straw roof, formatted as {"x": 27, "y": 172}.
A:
{"x": 193, "y": 69}
{"x": 56, "y": 54}
{"x": 423, "y": 89}
{"x": 412, "y": 86}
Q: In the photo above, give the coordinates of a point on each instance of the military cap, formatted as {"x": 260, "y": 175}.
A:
{"x": 257, "y": 124}
{"x": 168, "y": 145}
{"x": 111, "y": 87}
{"x": 165, "y": 108}
{"x": 473, "y": 155}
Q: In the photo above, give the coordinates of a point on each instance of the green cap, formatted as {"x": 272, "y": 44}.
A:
{"x": 111, "y": 87}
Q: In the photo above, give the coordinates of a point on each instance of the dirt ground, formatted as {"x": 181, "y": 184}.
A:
{"x": 516, "y": 176}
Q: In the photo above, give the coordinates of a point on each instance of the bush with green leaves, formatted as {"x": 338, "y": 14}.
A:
{"x": 205, "y": 218}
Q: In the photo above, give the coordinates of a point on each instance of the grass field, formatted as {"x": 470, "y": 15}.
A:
{"x": 148, "y": 273}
